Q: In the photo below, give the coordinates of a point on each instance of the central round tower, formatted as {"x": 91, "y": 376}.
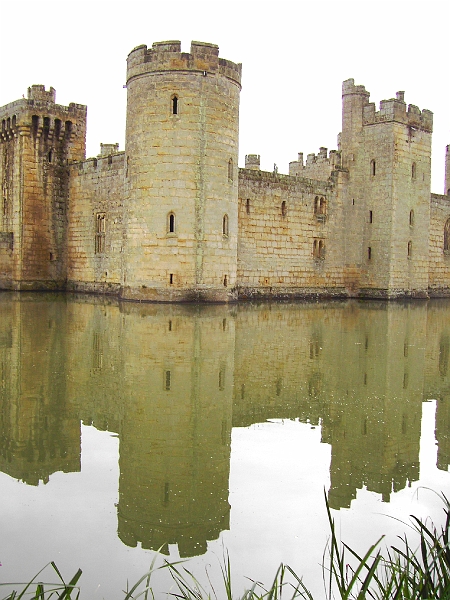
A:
{"x": 180, "y": 215}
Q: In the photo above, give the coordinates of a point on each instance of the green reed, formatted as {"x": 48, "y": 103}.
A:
{"x": 403, "y": 572}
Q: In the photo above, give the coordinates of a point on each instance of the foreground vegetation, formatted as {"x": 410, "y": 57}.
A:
{"x": 402, "y": 573}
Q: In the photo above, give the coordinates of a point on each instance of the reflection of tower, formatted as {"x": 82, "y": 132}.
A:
{"x": 374, "y": 422}
{"x": 175, "y": 439}
{"x": 37, "y": 436}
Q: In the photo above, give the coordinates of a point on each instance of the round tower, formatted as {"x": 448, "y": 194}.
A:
{"x": 181, "y": 205}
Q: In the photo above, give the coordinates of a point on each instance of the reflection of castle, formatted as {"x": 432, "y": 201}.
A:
{"x": 172, "y": 217}
{"x": 173, "y": 380}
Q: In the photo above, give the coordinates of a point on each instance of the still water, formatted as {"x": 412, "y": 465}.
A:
{"x": 126, "y": 428}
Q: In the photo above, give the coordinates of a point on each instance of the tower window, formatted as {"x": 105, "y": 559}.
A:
{"x": 225, "y": 225}
{"x": 174, "y": 105}
{"x": 230, "y": 170}
{"x": 247, "y": 206}
{"x": 370, "y": 216}
{"x": 411, "y": 218}
{"x": 369, "y": 253}
{"x": 100, "y": 230}
{"x": 413, "y": 170}
{"x": 283, "y": 208}
{"x": 171, "y": 222}
{"x": 320, "y": 206}
{"x": 373, "y": 168}
{"x": 319, "y": 249}
{"x": 409, "y": 249}
{"x": 447, "y": 236}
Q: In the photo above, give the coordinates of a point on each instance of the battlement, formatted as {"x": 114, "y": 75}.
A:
{"x": 395, "y": 109}
{"x": 349, "y": 88}
{"x": 107, "y": 149}
{"x": 318, "y": 166}
{"x": 167, "y": 56}
{"x": 38, "y": 92}
{"x": 253, "y": 162}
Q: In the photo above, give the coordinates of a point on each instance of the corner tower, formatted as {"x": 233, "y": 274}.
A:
{"x": 38, "y": 139}
{"x": 387, "y": 207}
{"x": 181, "y": 174}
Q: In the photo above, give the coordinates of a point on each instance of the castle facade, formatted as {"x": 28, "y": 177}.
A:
{"x": 173, "y": 218}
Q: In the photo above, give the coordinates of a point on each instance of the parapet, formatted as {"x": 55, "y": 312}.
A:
{"x": 395, "y": 109}
{"x": 38, "y": 92}
{"x": 253, "y": 162}
{"x": 167, "y": 56}
{"x": 349, "y": 88}
{"x": 318, "y": 166}
{"x": 107, "y": 149}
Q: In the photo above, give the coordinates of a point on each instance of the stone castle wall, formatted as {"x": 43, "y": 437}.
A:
{"x": 95, "y": 224}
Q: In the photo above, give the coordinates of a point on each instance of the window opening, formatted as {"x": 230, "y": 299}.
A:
{"x": 373, "y": 167}
{"x": 283, "y": 208}
{"x": 230, "y": 170}
{"x": 171, "y": 278}
{"x": 447, "y": 236}
{"x": 225, "y": 281}
{"x": 100, "y": 230}
{"x": 411, "y": 218}
{"x": 225, "y": 225}
{"x": 409, "y": 249}
{"x": 174, "y": 105}
{"x": 171, "y": 228}
{"x": 413, "y": 170}
{"x": 370, "y": 216}
{"x": 369, "y": 253}
{"x": 247, "y": 206}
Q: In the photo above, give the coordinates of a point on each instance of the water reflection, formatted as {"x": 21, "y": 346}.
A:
{"x": 172, "y": 381}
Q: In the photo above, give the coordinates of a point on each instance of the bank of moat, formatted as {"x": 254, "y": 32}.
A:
{"x": 173, "y": 218}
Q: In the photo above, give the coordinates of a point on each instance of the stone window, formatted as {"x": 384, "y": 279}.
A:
{"x": 413, "y": 171}
{"x": 283, "y": 208}
{"x": 373, "y": 167}
{"x": 319, "y": 249}
{"x": 230, "y": 170}
{"x": 409, "y": 249}
{"x": 411, "y": 218}
{"x": 171, "y": 223}
{"x": 175, "y": 104}
{"x": 369, "y": 253}
{"x": 320, "y": 206}
{"x": 447, "y": 237}
{"x": 247, "y": 206}
{"x": 370, "y": 216}
{"x": 100, "y": 230}
{"x": 225, "y": 225}
{"x": 50, "y": 156}
{"x": 225, "y": 281}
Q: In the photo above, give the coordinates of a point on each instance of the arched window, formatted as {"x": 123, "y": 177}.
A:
{"x": 447, "y": 236}
{"x": 225, "y": 225}
{"x": 174, "y": 104}
{"x": 411, "y": 218}
{"x": 171, "y": 222}
{"x": 321, "y": 249}
{"x": 413, "y": 170}
{"x": 323, "y": 206}
{"x": 316, "y": 205}
{"x": 283, "y": 208}
{"x": 230, "y": 170}
{"x": 373, "y": 167}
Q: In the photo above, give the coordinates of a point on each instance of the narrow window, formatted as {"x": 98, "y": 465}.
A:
{"x": 57, "y": 128}
{"x": 372, "y": 167}
{"x": 100, "y": 230}
{"x": 316, "y": 205}
{"x": 247, "y": 206}
{"x": 46, "y": 127}
{"x": 174, "y": 105}
{"x": 283, "y": 208}
{"x": 225, "y": 225}
{"x": 230, "y": 170}
{"x": 409, "y": 249}
{"x": 49, "y": 156}
{"x": 370, "y": 216}
{"x": 315, "y": 249}
{"x": 413, "y": 170}
{"x": 411, "y": 218}
{"x": 14, "y": 120}
{"x": 322, "y": 206}
{"x": 321, "y": 249}
{"x": 170, "y": 325}
{"x": 447, "y": 236}
{"x": 35, "y": 124}
{"x": 225, "y": 281}
{"x": 167, "y": 380}
{"x": 369, "y": 253}
{"x": 68, "y": 128}
{"x": 171, "y": 222}
{"x": 353, "y": 202}
{"x": 171, "y": 278}
{"x": 224, "y": 325}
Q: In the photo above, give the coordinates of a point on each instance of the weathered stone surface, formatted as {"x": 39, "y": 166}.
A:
{"x": 173, "y": 219}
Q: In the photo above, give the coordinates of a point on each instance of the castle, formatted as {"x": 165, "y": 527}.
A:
{"x": 173, "y": 218}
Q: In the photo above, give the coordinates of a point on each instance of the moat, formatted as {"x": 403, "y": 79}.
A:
{"x": 125, "y": 428}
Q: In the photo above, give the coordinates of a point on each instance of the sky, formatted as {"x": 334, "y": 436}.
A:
{"x": 295, "y": 56}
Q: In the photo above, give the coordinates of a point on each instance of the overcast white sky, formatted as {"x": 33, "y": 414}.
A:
{"x": 295, "y": 56}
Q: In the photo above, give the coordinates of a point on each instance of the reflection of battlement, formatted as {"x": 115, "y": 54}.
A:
{"x": 167, "y": 56}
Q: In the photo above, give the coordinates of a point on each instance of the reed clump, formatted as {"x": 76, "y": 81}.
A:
{"x": 401, "y": 572}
